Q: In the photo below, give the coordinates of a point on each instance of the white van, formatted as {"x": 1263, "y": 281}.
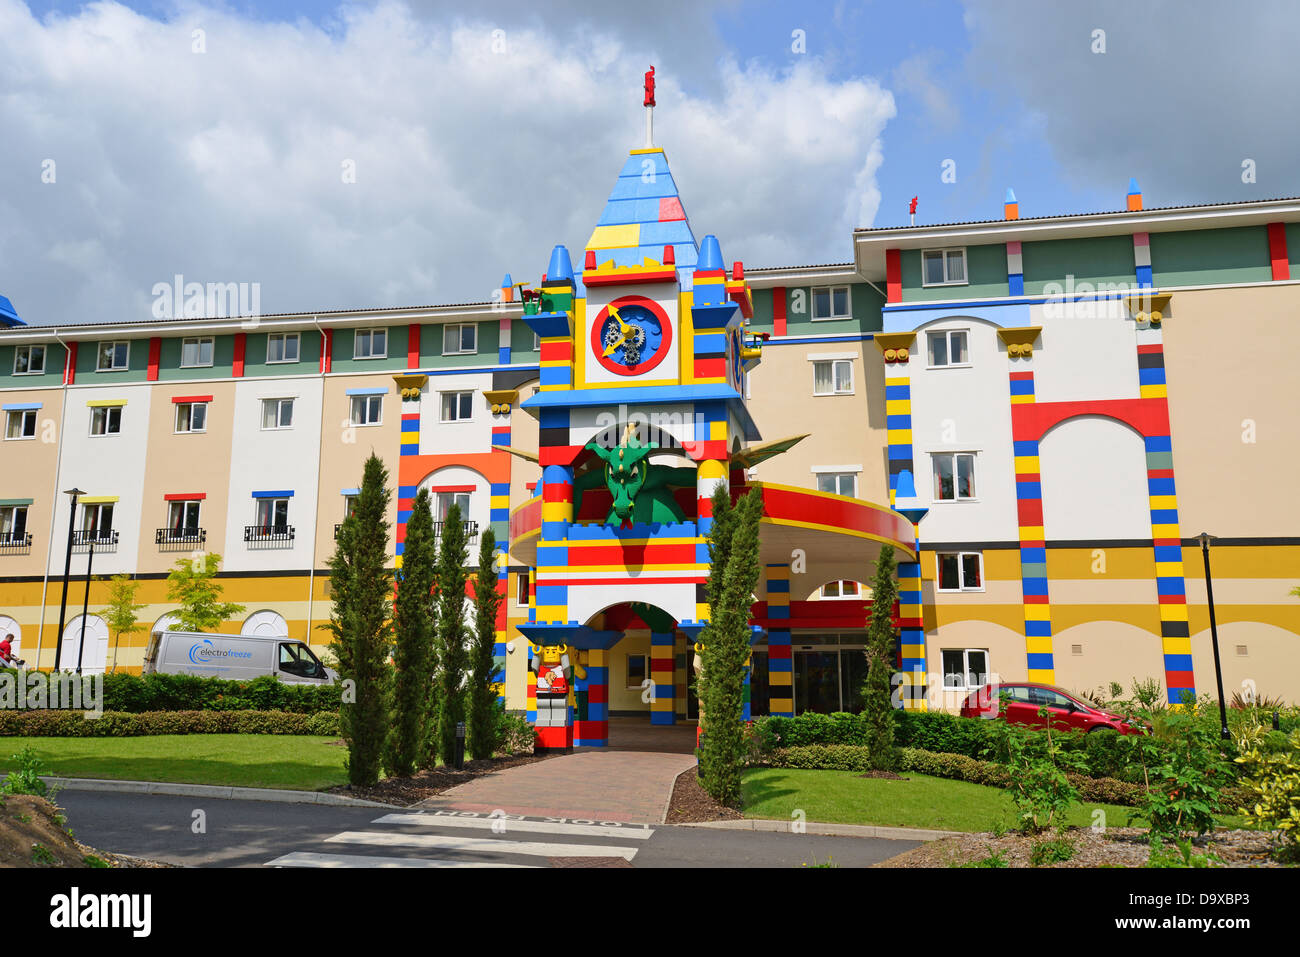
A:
{"x": 234, "y": 657}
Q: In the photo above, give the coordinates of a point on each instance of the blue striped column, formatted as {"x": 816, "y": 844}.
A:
{"x": 780, "y": 662}
{"x": 661, "y": 676}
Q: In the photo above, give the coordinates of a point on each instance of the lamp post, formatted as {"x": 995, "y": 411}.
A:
{"x": 1205, "y": 538}
{"x": 75, "y": 493}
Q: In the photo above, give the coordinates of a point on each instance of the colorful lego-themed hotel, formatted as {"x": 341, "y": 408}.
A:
{"x": 1040, "y": 414}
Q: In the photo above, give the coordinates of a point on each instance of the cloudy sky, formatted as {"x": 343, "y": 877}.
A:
{"x": 214, "y": 140}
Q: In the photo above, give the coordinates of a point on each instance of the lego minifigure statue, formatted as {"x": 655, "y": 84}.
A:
{"x": 555, "y": 673}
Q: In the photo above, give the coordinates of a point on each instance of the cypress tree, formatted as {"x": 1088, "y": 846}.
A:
{"x": 878, "y": 707}
{"x": 482, "y": 695}
{"x": 733, "y": 575}
{"x": 360, "y": 587}
{"x": 413, "y": 654}
{"x": 453, "y": 657}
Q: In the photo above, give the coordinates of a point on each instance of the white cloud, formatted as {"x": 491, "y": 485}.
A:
{"x": 226, "y": 166}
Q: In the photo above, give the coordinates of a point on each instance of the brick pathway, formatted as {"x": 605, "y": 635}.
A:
{"x": 628, "y": 786}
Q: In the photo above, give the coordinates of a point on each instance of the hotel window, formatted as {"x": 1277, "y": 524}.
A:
{"x": 838, "y": 483}
{"x": 183, "y": 518}
{"x": 273, "y": 513}
{"x": 965, "y": 669}
{"x": 97, "y": 518}
{"x": 367, "y": 410}
{"x": 350, "y": 505}
{"x": 196, "y": 352}
{"x": 833, "y": 377}
{"x": 521, "y": 589}
{"x": 841, "y": 589}
{"x": 943, "y": 267}
{"x": 457, "y": 406}
{"x": 21, "y": 424}
{"x": 191, "y": 416}
{"x": 13, "y": 524}
{"x": 370, "y": 344}
{"x": 459, "y": 339}
{"x": 954, "y": 476}
{"x": 277, "y": 414}
{"x": 637, "y": 672}
{"x": 29, "y": 360}
{"x": 443, "y": 501}
{"x": 948, "y": 348}
{"x": 960, "y": 571}
{"x": 113, "y": 356}
{"x": 537, "y": 342}
{"x": 106, "y": 420}
{"x": 830, "y": 302}
{"x": 282, "y": 347}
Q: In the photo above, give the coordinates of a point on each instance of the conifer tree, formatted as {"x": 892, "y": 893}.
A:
{"x": 413, "y": 648}
{"x": 481, "y": 693}
{"x": 877, "y": 703}
{"x": 450, "y": 578}
{"x": 733, "y": 576}
{"x": 360, "y": 585}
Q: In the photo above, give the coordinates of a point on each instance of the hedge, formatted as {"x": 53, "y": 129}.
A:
{"x": 112, "y": 724}
{"x": 161, "y": 692}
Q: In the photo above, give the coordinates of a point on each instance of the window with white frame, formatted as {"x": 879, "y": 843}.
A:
{"x": 457, "y": 406}
{"x": 954, "y": 476}
{"x": 943, "y": 267}
{"x": 521, "y": 589}
{"x": 113, "y": 356}
{"x": 948, "y": 347}
{"x": 273, "y": 514}
{"x": 443, "y": 501}
{"x": 959, "y": 571}
{"x": 191, "y": 416}
{"x": 831, "y": 302}
{"x": 965, "y": 669}
{"x": 97, "y": 517}
{"x": 838, "y": 483}
{"x": 459, "y": 338}
{"x": 29, "y": 360}
{"x": 20, "y": 424}
{"x": 106, "y": 420}
{"x": 183, "y": 518}
{"x": 841, "y": 589}
{"x": 196, "y": 352}
{"x": 350, "y": 505}
{"x": 277, "y": 414}
{"x": 367, "y": 410}
{"x": 833, "y": 377}
{"x": 282, "y": 347}
{"x": 13, "y": 524}
{"x": 370, "y": 344}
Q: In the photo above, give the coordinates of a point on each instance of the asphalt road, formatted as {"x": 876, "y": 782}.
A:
{"x": 223, "y": 833}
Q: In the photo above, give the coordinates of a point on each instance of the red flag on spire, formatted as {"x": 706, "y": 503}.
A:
{"x": 650, "y": 87}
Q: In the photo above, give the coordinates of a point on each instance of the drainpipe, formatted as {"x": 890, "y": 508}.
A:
{"x": 54, "y": 498}
{"x": 320, "y": 449}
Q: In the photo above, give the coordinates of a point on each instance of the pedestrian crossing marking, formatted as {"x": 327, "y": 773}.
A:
{"x": 312, "y": 859}
{"x": 506, "y": 825}
{"x": 480, "y": 845}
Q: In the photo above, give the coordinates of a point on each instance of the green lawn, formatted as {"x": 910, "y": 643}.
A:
{"x": 300, "y": 762}
{"x": 841, "y": 797}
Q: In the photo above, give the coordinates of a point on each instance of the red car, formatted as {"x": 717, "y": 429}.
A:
{"x": 1067, "y": 710}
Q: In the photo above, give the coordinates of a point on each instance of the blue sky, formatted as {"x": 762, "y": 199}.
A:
{"x": 224, "y": 167}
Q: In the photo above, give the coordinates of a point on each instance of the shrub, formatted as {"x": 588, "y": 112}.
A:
{"x": 26, "y": 778}
{"x": 1273, "y": 789}
{"x": 514, "y": 734}
{"x": 73, "y": 724}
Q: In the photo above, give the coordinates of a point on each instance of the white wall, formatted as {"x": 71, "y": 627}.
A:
{"x": 472, "y": 436}
{"x": 1089, "y": 353}
{"x": 1094, "y": 477}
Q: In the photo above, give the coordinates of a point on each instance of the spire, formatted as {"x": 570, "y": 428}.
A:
{"x": 643, "y": 215}
{"x": 649, "y": 104}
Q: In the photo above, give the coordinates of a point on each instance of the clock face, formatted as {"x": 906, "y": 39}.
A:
{"x": 631, "y": 336}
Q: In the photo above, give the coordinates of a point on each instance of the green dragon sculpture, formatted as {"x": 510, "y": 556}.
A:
{"x": 642, "y": 491}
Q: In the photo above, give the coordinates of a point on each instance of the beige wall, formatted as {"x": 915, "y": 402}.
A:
{"x": 1229, "y": 358}
{"x": 846, "y": 430}
{"x": 189, "y": 462}
{"x": 27, "y": 470}
{"x": 523, "y": 436}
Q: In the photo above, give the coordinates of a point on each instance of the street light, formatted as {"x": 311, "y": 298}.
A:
{"x": 1205, "y": 538}
{"x": 76, "y": 493}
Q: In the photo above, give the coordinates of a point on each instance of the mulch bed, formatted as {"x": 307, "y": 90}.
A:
{"x": 589, "y": 862}
{"x": 886, "y": 775}
{"x": 691, "y": 804}
{"x": 405, "y": 792}
{"x": 1116, "y": 847}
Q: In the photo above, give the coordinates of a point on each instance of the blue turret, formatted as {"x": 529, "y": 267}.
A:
{"x": 710, "y": 254}
{"x": 8, "y": 317}
{"x": 561, "y": 267}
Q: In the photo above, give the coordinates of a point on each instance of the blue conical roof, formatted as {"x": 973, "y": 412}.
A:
{"x": 643, "y": 215}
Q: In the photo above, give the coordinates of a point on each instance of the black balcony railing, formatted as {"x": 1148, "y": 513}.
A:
{"x": 15, "y": 543}
{"x": 471, "y": 529}
{"x": 268, "y": 534}
{"x": 104, "y": 539}
{"x": 183, "y": 537}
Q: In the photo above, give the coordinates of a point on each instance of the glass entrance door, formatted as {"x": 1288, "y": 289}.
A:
{"x": 817, "y": 681}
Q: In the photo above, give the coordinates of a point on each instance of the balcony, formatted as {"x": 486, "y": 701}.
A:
{"x": 104, "y": 540}
{"x": 268, "y": 536}
{"x": 15, "y": 543}
{"x": 180, "y": 539}
{"x": 471, "y": 530}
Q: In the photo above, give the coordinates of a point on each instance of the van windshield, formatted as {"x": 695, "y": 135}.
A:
{"x": 297, "y": 659}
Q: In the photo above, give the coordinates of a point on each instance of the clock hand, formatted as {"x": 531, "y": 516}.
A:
{"x": 626, "y": 328}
